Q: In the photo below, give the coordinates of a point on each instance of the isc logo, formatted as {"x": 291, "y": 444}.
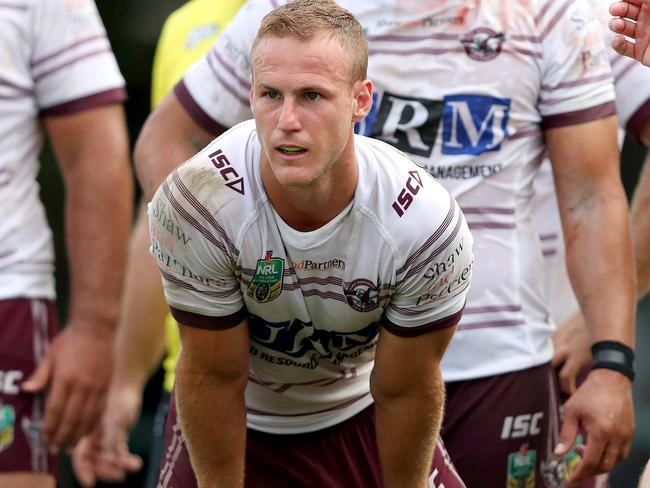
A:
{"x": 405, "y": 197}
{"x": 228, "y": 173}
{"x": 523, "y": 425}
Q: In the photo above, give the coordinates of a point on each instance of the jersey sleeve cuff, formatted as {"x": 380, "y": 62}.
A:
{"x": 115, "y": 95}
{"x": 199, "y": 321}
{"x": 579, "y": 116}
{"x": 198, "y": 115}
{"x": 443, "y": 323}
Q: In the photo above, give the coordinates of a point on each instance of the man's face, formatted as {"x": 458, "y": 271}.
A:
{"x": 305, "y": 106}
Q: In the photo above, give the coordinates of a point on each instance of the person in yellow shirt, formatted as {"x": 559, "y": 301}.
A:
{"x": 187, "y": 33}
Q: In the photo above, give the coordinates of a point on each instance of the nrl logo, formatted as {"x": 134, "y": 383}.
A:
{"x": 267, "y": 280}
{"x": 361, "y": 294}
{"x": 483, "y": 44}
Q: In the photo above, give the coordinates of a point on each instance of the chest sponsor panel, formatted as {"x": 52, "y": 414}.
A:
{"x": 467, "y": 124}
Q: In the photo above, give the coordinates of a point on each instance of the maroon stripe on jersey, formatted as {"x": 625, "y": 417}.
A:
{"x": 542, "y": 12}
{"x": 549, "y": 252}
{"x": 578, "y": 117}
{"x": 491, "y": 225}
{"x": 27, "y": 90}
{"x": 204, "y": 212}
{"x": 188, "y": 286}
{"x": 229, "y": 88}
{"x": 638, "y": 121}
{"x": 398, "y": 38}
{"x": 580, "y": 82}
{"x": 525, "y": 52}
{"x": 13, "y": 6}
{"x": 416, "y": 269}
{"x": 242, "y": 81}
{"x": 519, "y": 37}
{"x": 116, "y": 95}
{"x": 431, "y": 240}
{"x": 324, "y": 295}
{"x": 199, "y": 321}
{"x": 490, "y": 324}
{"x": 548, "y": 237}
{"x": 493, "y": 308}
{"x": 443, "y": 323}
{"x": 58, "y": 68}
{"x": 410, "y": 52}
{"x": 197, "y": 114}
{"x": 191, "y": 220}
{"x": 77, "y": 43}
{"x": 553, "y": 22}
{"x": 488, "y": 210}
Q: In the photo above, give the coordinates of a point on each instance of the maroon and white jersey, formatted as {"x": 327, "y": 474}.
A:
{"x": 397, "y": 257}
{"x": 632, "y": 82}
{"x": 465, "y": 88}
{"x": 55, "y": 59}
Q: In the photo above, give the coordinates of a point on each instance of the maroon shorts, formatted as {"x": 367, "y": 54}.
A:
{"x": 28, "y": 326}
{"x": 342, "y": 456}
{"x": 500, "y": 431}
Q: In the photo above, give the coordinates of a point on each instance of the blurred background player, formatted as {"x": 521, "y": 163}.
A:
{"x": 633, "y": 29}
{"x": 58, "y": 77}
{"x": 141, "y": 340}
{"x": 482, "y": 135}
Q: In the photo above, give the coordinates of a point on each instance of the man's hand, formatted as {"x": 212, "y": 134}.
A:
{"x": 602, "y": 406}
{"x": 572, "y": 351}
{"x": 633, "y": 22}
{"x": 104, "y": 454}
{"x": 75, "y": 370}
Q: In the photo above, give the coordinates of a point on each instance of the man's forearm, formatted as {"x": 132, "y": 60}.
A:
{"x": 641, "y": 229}
{"x": 212, "y": 414}
{"x": 601, "y": 267}
{"x": 407, "y": 429}
{"x": 141, "y": 339}
{"x": 99, "y": 212}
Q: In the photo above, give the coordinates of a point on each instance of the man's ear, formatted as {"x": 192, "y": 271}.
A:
{"x": 363, "y": 99}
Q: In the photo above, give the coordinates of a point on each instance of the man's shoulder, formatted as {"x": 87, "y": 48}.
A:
{"x": 404, "y": 196}
{"x": 221, "y": 174}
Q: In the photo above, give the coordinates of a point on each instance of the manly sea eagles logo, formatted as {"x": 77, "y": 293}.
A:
{"x": 361, "y": 294}
{"x": 267, "y": 280}
{"x": 483, "y": 44}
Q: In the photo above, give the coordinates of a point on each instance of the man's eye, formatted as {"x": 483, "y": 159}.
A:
{"x": 312, "y": 95}
{"x": 271, "y": 95}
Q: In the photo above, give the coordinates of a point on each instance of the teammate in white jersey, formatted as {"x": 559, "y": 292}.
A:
{"x": 632, "y": 24}
{"x": 58, "y": 77}
{"x": 318, "y": 277}
{"x": 477, "y": 92}
{"x": 572, "y": 352}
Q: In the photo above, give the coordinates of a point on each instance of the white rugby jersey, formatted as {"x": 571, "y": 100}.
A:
{"x": 465, "y": 88}
{"x": 632, "y": 82}
{"x": 55, "y": 59}
{"x": 399, "y": 255}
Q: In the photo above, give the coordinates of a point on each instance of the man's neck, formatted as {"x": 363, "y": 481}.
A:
{"x": 310, "y": 208}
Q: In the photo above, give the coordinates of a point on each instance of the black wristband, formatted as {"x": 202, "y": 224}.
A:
{"x": 613, "y": 355}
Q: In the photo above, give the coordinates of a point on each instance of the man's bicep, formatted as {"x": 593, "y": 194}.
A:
{"x": 221, "y": 352}
{"x": 583, "y": 157}
{"x": 403, "y": 362}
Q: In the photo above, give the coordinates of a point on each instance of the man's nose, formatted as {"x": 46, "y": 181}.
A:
{"x": 289, "y": 120}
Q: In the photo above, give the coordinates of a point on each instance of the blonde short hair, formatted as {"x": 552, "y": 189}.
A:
{"x": 303, "y": 19}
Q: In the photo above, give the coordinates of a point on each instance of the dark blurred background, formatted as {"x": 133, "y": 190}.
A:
{"x": 133, "y": 28}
